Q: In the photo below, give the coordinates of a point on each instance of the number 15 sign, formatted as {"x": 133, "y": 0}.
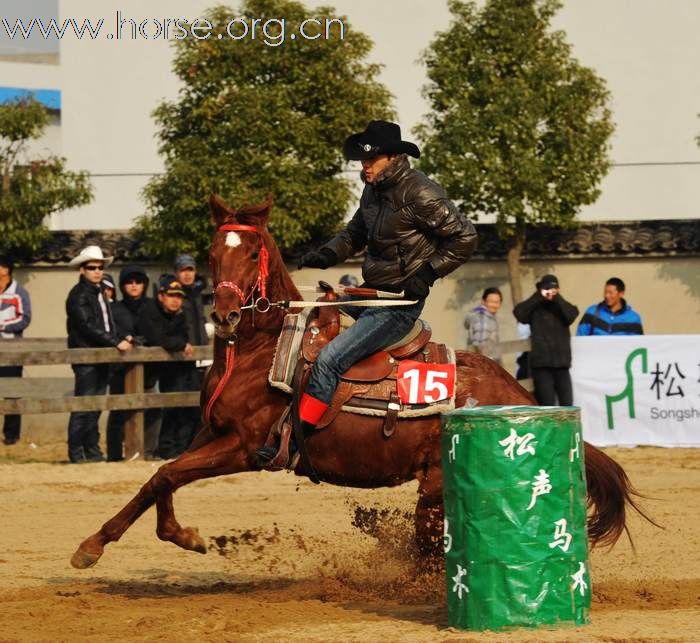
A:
{"x": 421, "y": 383}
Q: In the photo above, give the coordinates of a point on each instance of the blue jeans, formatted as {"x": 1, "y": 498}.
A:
{"x": 83, "y": 432}
{"x": 374, "y": 329}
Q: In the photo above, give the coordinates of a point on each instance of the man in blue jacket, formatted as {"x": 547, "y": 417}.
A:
{"x": 613, "y": 315}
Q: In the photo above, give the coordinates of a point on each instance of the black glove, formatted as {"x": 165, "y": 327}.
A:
{"x": 323, "y": 258}
{"x": 418, "y": 286}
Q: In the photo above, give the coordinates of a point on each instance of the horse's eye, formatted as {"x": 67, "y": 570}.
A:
{"x": 255, "y": 256}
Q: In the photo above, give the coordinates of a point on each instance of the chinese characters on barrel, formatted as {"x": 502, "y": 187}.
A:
{"x": 523, "y": 445}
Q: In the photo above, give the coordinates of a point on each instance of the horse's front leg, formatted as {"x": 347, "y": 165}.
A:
{"x": 90, "y": 550}
{"x": 220, "y": 457}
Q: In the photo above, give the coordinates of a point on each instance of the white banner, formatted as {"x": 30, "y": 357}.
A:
{"x": 641, "y": 389}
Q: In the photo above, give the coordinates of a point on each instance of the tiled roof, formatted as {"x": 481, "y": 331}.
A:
{"x": 66, "y": 244}
{"x": 654, "y": 238}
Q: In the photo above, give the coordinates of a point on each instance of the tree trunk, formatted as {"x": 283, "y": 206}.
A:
{"x": 514, "y": 251}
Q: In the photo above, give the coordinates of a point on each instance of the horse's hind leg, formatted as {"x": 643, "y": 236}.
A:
{"x": 430, "y": 513}
{"x": 219, "y": 457}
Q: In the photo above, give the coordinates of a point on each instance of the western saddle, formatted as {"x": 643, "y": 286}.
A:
{"x": 369, "y": 386}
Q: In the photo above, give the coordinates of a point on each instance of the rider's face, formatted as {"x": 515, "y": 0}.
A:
{"x": 372, "y": 167}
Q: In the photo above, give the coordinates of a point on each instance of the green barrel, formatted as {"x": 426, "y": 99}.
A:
{"x": 516, "y": 548}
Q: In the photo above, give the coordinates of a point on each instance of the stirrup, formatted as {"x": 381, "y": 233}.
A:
{"x": 276, "y": 457}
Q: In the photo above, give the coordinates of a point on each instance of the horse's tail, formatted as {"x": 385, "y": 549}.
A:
{"x": 609, "y": 493}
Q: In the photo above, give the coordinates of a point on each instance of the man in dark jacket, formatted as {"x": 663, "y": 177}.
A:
{"x": 90, "y": 325}
{"x": 549, "y": 316}
{"x": 413, "y": 235}
{"x": 133, "y": 284}
{"x": 163, "y": 323}
{"x": 193, "y": 306}
{"x": 193, "y": 285}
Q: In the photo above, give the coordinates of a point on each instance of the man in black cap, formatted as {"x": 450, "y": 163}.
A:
{"x": 164, "y": 323}
{"x": 413, "y": 235}
{"x": 549, "y": 316}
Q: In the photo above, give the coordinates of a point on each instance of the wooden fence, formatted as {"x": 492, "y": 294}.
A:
{"x": 55, "y": 395}
{"x": 36, "y": 395}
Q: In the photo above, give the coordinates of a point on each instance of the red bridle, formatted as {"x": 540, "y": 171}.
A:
{"x": 260, "y": 284}
{"x": 263, "y": 271}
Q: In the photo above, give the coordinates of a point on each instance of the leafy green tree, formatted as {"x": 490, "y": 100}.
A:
{"x": 519, "y": 128}
{"x": 254, "y": 119}
{"x": 32, "y": 188}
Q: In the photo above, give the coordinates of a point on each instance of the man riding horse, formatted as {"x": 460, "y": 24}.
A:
{"x": 413, "y": 234}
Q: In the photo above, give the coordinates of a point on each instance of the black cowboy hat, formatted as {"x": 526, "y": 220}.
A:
{"x": 380, "y": 137}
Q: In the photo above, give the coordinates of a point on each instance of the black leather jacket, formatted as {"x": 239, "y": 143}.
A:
{"x": 405, "y": 220}
{"x": 85, "y": 322}
{"x": 549, "y": 322}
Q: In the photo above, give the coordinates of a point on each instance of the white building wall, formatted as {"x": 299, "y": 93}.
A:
{"x": 648, "y": 52}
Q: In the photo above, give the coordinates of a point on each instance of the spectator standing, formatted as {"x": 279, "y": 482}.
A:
{"x": 133, "y": 284}
{"x": 549, "y": 316}
{"x": 90, "y": 325}
{"x": 613, "y": 315}
{"x": 164, "y": 323}
{"x": 193, "y": 285}
{"x": 15, "y": 315}
{"x": 482, "y": 324}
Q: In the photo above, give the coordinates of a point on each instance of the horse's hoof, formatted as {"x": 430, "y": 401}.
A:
{"x": 189, "y": 539}
{"x": 82, "y": 559}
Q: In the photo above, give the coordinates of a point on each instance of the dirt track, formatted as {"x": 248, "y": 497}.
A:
{"x": 286, "y": 562}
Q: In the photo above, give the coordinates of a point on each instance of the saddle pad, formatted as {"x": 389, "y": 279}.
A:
{"x": 407, "y": 410}
{"x": 287, "y": 351}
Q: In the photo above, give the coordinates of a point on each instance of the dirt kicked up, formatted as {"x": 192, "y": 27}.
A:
{"x": 290, "y": 561}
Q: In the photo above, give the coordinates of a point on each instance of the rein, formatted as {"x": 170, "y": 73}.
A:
{"x": 262, "y": 304}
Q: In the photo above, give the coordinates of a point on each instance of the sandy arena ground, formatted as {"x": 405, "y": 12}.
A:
{"x": 288, "y": 561}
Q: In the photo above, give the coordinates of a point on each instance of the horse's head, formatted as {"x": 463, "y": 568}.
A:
{"x": 238, "y": 260}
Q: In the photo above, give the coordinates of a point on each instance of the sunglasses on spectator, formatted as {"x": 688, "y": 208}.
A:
{"x": 131, "y": 282}
{"x": 91, "y": 268}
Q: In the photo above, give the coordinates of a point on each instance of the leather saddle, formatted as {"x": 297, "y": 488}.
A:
{"x": 370, "y": 383}
{"x": 369, "y": 386}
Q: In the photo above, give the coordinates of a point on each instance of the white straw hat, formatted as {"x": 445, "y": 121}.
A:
{"x": 90, "y": 253}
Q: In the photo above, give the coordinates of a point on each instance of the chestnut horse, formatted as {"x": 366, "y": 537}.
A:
{"x": 352, "y": 451}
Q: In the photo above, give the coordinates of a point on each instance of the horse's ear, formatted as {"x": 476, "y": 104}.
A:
{"x": 258, "y": 214}
{"x": 220, "y": 210}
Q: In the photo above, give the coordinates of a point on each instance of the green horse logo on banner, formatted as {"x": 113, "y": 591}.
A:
{"x": 628, "y": 391}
